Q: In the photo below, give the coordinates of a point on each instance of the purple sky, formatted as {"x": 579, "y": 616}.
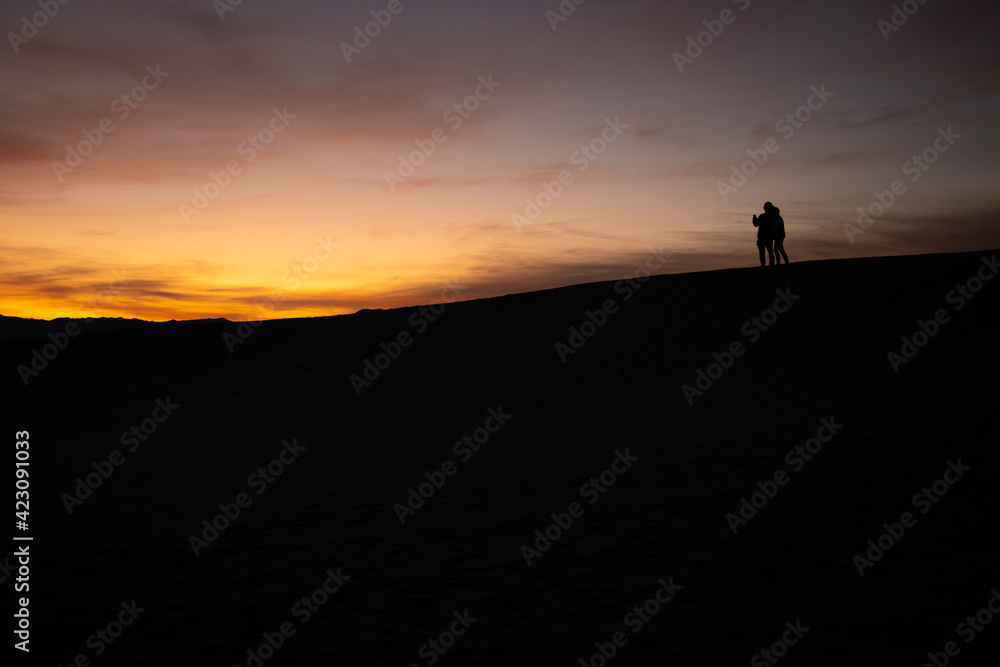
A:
{"x": 131, "y": 204}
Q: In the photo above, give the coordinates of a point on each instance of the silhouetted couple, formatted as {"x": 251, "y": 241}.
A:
{"x": 770, "y": 234}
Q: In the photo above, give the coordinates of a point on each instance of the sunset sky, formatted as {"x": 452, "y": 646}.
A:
{"x": 312, "y": 216}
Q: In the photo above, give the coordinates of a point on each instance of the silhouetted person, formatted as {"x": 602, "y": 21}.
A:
{"x": 765, "y": 227}
{"x": 778, "y": 233}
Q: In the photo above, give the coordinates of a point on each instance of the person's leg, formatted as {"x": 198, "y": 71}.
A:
{"x": 760, "y": 248}
{"x": 770, "y": 253}
{"x": 779, "y": 246}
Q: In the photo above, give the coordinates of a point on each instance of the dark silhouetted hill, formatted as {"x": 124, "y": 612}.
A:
{"x": 818, "y": 370}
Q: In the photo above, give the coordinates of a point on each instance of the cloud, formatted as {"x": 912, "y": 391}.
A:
{"x": 354, "y": 120}
{"x": 940, "y": 231}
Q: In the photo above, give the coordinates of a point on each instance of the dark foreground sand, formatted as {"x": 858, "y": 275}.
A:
{"x": 664, "y": 518}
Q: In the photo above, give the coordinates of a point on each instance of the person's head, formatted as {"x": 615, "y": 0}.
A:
{"x": 768, "y": 207}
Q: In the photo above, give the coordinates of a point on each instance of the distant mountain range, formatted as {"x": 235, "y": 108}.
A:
{"x": 20, "y": 328}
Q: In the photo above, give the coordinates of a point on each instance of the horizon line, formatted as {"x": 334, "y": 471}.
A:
{"x": 495, "y": 296}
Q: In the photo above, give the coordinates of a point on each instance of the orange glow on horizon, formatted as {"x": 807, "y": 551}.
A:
{"x": 258, "y": 160}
